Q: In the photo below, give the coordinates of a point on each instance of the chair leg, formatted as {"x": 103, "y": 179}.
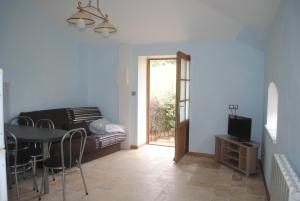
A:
{"x": 33, "y": 183}
{"x": 17, "y": 186}
{"x": 83, "y": 180}
{"x": 35, "y": 186}
{"x": 43, "y": 181}
{"x": 24, "y": 173}
{"x": 64, "y": 184}
{"x": 9, "y": 180}
{"x": 8, "y": 175}
{"x": 52, "y": 172}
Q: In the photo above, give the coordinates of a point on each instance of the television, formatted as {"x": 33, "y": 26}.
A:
{"x": 239, "y": 127}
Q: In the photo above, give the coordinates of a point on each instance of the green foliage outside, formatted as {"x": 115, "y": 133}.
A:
{"x": 162, "y": 113}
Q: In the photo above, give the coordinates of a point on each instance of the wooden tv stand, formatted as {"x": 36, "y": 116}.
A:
{"x": 241, "y": 156}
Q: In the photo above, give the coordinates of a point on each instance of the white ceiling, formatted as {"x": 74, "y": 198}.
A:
{"x": 252, "y": 13}
{"x": 162, "y": 21}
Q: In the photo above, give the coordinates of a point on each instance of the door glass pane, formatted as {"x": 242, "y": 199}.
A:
{"x": 182, "y": 90}
{"x": 187, "y": 103}
{"x": 183, "y": 69}
{"x": 187, "y": 69}
{"x": 187, "y": 89}
{"x": 182, "y": 111}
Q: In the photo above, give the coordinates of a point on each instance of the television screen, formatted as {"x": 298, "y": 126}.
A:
{"x": 239, "y": 127}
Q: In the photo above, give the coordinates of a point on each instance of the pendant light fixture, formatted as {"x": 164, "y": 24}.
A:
{"x": 84, "y": 17}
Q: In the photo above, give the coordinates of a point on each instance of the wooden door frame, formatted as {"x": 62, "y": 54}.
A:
{"x": 148, "y": 93}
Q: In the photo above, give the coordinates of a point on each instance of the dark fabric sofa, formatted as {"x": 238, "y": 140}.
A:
{"x": 69, "y": 118}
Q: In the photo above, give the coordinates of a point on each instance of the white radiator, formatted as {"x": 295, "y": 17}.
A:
{"x": 285, "y": 182}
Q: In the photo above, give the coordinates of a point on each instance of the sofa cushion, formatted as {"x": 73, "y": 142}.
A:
{"x": 81, "y": 124}
{"x": 90, "y": 146}
{"x": 109, "y": 139}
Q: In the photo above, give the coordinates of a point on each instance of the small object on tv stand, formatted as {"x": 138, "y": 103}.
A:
{"x": 241, "y": 156}
{"x": 233, "y": 108}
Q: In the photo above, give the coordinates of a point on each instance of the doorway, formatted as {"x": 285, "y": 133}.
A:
{"x": 161, "y": 99}
{"x": 169, "y": 108}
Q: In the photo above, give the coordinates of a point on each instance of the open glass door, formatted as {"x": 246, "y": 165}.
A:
{"x": 182, "y": 105}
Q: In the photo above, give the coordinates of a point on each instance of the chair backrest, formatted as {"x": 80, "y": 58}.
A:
{"x": 44, "y": 123}
{"x": 17, "y": 156}
{"x": 80, "y": 135}
{"x": 11, "y": 144}
{"x": 22, "y": 120}
{"x": 11, "y": 141}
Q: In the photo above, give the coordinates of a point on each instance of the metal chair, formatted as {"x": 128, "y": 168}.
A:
{"x": 16, "y": 165}
{"x": 68, "y": 159}
{"x": 37, "y": 152}
{"x": 22, "y": 121}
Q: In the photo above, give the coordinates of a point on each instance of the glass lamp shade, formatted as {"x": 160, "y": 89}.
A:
{"x": 81, "y": 19}
{"x": 105, "y": 29}
{"x": 80, "y": 24}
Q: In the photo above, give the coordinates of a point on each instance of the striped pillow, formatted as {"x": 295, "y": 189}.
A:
{"x": 86, "y": 114}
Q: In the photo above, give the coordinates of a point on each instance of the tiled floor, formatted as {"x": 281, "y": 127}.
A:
{"x": 149, "y": 174}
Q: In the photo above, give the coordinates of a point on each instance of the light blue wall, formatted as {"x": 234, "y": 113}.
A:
{"x": 44, "y": 67}
{"x": 283, "y": 68}
{"x": 221, "y": 74}
{"x": 40, "y": 62}
{"x": 102, "y": 90}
